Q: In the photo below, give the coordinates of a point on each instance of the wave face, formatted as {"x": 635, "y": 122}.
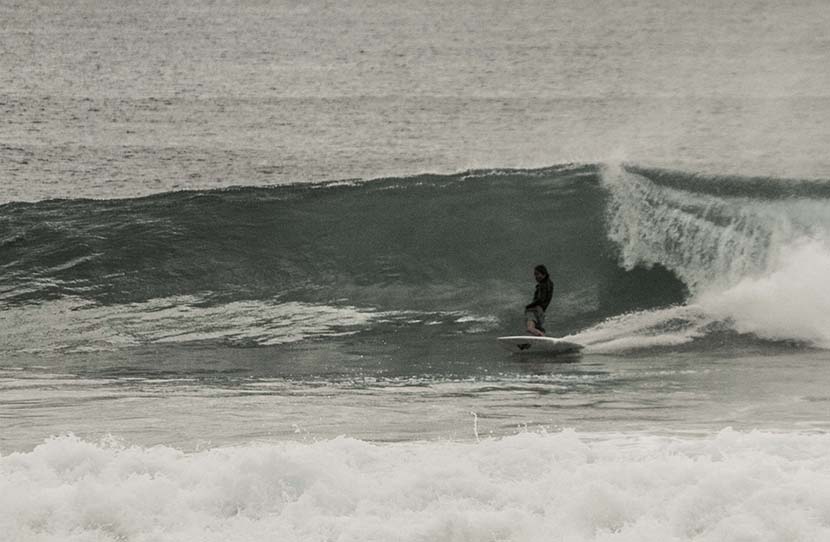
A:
{"x": 639, "y": 257}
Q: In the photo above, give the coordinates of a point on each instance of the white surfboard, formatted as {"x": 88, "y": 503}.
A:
{"x": 528, "y": 344}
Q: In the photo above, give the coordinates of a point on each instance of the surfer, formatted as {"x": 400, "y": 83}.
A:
{"x": 535, "y": 310}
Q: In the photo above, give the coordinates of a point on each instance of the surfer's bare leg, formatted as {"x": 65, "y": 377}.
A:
{"x": 531, "y": 328}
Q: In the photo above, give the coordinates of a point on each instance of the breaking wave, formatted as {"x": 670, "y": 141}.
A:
{"x": 640, "y": 258}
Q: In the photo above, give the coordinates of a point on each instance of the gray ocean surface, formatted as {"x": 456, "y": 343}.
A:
{"x": 254, "y": 257}
{"x": 118, "y": 99}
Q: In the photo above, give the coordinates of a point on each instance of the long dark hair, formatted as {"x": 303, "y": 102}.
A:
{"x": 542, "y": 269}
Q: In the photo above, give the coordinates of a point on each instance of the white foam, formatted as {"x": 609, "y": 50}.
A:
{"x": 565, "y": 486}
{"x": 760, "y": 266}
{"x": 76, "y": 325}
{"x": 643, "y": 329}
{"x": 792, "y": 301}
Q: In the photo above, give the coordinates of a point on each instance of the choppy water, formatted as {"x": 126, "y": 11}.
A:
{"x": 254, "y": 256}
{"x": 131, "y": 98}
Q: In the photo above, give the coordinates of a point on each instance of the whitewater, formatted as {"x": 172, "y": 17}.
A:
{"x": 254, "y": 258}
{"x": 531, "y": 486}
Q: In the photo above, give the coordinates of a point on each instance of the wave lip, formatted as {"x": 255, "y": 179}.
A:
{"x": 756, "y": 262}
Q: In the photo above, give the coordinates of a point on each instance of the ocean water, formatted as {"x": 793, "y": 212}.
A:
{"x": 254, "y": 257}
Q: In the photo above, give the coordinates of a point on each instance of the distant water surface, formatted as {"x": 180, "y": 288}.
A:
{"x": 120, "y": 99}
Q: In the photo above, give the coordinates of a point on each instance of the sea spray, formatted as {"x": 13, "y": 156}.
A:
{"x": 790, "y": 302}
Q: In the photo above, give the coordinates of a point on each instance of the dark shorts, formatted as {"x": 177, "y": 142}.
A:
{"x": 537, "y": 316}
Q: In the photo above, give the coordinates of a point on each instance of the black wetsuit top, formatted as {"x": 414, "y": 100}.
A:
{"x": 542, "y": 295}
